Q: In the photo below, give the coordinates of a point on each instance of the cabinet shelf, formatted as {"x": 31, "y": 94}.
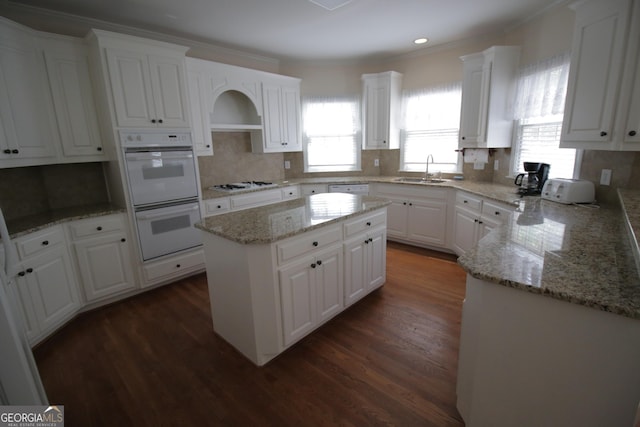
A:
{"x": 219, "y": 127}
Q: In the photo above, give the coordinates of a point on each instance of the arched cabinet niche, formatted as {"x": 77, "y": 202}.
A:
{"x": 234, "y": 111}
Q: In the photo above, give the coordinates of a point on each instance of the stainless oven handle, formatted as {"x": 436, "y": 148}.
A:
{"x": 147, "y": 216}
{"x": 165, "y": 156}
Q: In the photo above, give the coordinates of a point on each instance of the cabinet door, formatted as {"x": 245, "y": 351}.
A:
{"x": 68, "y": 71}
{"x": 131, "y": 88}
{"x": 199, "y": 113}
{"x": 27, "y": 130}
{"x": 298, "y": 300}
{"x": 291, "y": 118}
{"x": 329, "y": 284}
{"x": 594, "y": 77}
{"x": 471, "y": 100}
{"x": 274, "y": 139}
{"x": 52, "y": 287}
{"x": 169, "y": 92}
{"x": 105, "y": 265}
{"x": 631, "y": 126}
{"x": 377, "y": 110}
{"x": 355, "y": 270}
{"x": 29, "y": 318}
{"x": 464, "y": 230}
{"x": 377, "y": 260}
{"x": 426, "y": 222}
{"x": 397, "y": 218}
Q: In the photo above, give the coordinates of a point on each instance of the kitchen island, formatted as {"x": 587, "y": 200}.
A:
{"x": 275, "y": 273}
{"x": 551, "y": 321}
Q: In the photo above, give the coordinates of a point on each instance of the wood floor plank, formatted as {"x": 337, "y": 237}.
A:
{"x": 153, "y": 359}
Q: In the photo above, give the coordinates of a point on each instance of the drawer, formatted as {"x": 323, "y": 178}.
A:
{"x": 96, "y": 226}
{"x": 307, "y": 242}
{"x": 496, "y": 211}
{"x": 308, "y": 189}
{"x": 290, "y": 192}
{"x": 173, "y": 266}
{"x": 468, "y": 201}
{"x": 39, "y": 241}
{"x": 217, "y": 206}
{"x": 256, "y": 198}
{"x": 365, "y": 223}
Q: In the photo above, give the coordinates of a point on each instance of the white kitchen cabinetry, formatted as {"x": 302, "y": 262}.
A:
{"x": 147, "y": 81}
{"x": 173, "y": 267}
{"x": 46, "y": 282}
{"x": 309, "y": 189}
{"x": 487, "y": 88}
{"x": 68, "y": 71}
{"x": 216, "y": 206}
{"x": 311, "y": 292}
{"x": 255, "y": 198}
{"x": 381, "y": 94}
{"x": 103, "y": 255}
{"x": 474, "y": 218}
{"x": 28, "y": 132}
{"x": 365, "y": 252}
{"x": 201, "y": 128}
{"x": 602, "y": 110}
{"x": 290, "y": 192}
{"x": 416, "y": 215}
{"x": 281, "y": 120}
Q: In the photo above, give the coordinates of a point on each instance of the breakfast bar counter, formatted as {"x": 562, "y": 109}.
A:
{"x": 277, "y": 272}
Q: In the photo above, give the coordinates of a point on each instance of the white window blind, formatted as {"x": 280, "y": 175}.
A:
{"x": 431, "y": 126}
{"x": 331, "y": 134}
{"x": 538, "y": 113}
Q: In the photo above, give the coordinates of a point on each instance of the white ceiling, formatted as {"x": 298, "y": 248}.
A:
{"x": 302, "y": 30}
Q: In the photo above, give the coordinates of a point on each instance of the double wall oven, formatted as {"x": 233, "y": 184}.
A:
{"x": 163, "y": 188}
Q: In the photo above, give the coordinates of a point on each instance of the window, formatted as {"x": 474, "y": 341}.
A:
{"x": 331, "y": 134}
{"x": 431, "y": 126}
{"x": 538, "y": 112}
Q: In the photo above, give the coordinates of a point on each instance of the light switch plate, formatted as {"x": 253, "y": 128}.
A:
{"x": 605, "y": 177}
{"x": 287, "y": 164}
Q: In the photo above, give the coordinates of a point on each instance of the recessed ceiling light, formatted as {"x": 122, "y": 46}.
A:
{"x": 421, "y": 40}
{"x": 330, "y": 4}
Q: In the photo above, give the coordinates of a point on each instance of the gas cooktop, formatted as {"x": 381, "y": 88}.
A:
{"x": 245, "y": 185}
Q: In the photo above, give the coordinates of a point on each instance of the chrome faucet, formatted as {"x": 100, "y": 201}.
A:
{"x": 426, "y": 173}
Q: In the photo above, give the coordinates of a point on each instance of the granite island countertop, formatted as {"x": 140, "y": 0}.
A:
{"x": 270, "y": 223}
{"x": 573, "y": 253}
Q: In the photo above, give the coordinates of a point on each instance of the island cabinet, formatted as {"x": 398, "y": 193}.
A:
{"x": 602, "y": 110}
{"x": 416, "y": 214}
{"x": 298, "y": 264}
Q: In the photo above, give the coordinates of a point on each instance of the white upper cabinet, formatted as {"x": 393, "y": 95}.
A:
{"x": 27, "y": 125}
{"x": 487, "y": 90}
{"x": 281, "y": 120}
{"x": 68, "y": 72}
{"x": 381, "y": 97}
{"x": 147, "y": 81}
{"x": 201, "y": 129}
{"x": 602, "y": 106}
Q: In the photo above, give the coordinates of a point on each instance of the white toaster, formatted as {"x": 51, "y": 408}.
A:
{"x": 569, "y": 190}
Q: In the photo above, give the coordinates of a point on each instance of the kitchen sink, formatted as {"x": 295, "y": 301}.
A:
{"x": 420, "y": 180}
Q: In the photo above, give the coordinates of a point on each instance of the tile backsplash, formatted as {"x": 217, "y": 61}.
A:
{"x": 36, "y": 189}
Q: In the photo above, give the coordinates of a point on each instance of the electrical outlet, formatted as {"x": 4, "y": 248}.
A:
{"x": 605, "y": 177}
{"x": 287, "y": 164}
{"x": 496, "y": 164}
{"x": 376, "y": 162}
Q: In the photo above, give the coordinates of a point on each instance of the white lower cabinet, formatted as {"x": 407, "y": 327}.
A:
{"x": 416, "y": 214}
{"x": 103, "y": 256}
{"x": 365, "y": 264}
{"x": 46, "y": 283}
{"x": 309, "y": 189}
{"x": 474, "y": 218}
{"x": 173, "y": 267}
{"x": 310, "y": 292}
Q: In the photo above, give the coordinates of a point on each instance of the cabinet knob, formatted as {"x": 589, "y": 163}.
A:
{"x": 410, "y": 204}
{"x": 384, "y": 142}
{"x": 219, "y": 207}
{"x": 475, "y": 220}
{"x": 603, "y": 133}
{"x": 29, "y": 270}
{"x": 465, "y": 201}
{"x": 404, "y": 203}
{"x": 370, "y": 239}
{"x": 479, "y": 222}
{"x": 208, "y": 145}
{"x": 159, "y": 120}
{"x": 123, "y": 240}
{"x": 632, "y": 133}
{"x": 153, "y": 120}
{"x": 369, "y": 223}
{"x": 7, "y": 151}
{"x": 313, "y": 191}
{"x": 15, "y": 151}
{"x": 319, "y": 262}
{"x": 21, "y": 273}
{"x": 313, "y": 265}
{"x": 366, "y": 242}
{"x": 464, "y": 137}
{"x": 315, "y": 243}
{"x": 99, "y": 228}
{"x": 99, "y": 148}
{"x": 497, "y": 213}
{"x": 177, "y": 265}
{"x": 45, "y": 243}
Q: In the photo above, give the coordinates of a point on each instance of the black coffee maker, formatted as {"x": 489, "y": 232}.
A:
{"x": 532, "y": 182}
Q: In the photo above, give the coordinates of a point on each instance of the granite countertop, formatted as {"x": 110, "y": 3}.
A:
{"x": 32, "y": 223}
{"x": 573, "y": 253}
{"x": 270, "y": 223}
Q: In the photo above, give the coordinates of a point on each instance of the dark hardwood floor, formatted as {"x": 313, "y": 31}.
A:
{"x": 154, "y": 359}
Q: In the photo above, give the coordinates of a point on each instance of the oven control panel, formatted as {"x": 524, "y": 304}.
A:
{"x": 154, "y": 138}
